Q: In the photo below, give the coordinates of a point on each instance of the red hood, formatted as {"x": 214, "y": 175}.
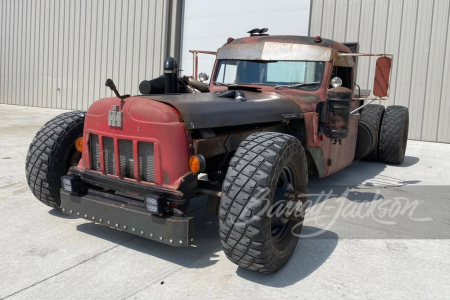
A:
{"x": 148, "y": 121}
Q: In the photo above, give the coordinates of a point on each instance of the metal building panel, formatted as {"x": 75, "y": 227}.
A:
{"x": 46, "y": 79}
{"x": 58, "y": 53}
{"x": 6, "y": 78}
{"x": 10, "y": 61}
{"x": 2, "y": 44}
{"x": 69, "y": 53}
{"x": 420, "y": 67}
{"x": 365, "y": 43}
{"x": 329, "y": 10}
{"x": 98, "y": 81}
{"x": 378, "y": 42}
{"x": 28, "y": 78}
{"x": 17, "y": 51}
{"x": 55, "y": 51}
{"x": 160, "y": 36}
{"x": 41, "y": 47}
{"x": 416, "y": 32}
{"x": 443, "y": 131}
{"x": 353, "y": 19}
{"x": 87, "y": 68}
{"x": 116, "y": 43}
{"x": 150, "y": 43}
{"x": 142, "y": 41}
{"x": 315, "y": 22}
{"x": 340, "y": 21}
{"x": 434, "y": 83}
{"x": 136, "y": 61}
{"x": 92, "y": 83}
{"x": 394, "y": 27}
{"x": 75, "y": 101}
{"x": 13, "y": 65}
{"x": 110, "y": 33}
{"x": 129, "y": 43}
{"x": 123, "y": 33}
{"x": 406, "y": 53}
{"x": 50, "y": 52}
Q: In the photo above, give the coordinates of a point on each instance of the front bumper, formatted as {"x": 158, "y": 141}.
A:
{"x": 103, "y": 209}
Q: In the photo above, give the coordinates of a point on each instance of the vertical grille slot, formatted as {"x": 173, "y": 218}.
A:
{"x": 95, "y": 152}
{"x": 108, "y": 149}
{"x": 126, "y": 158}
{"x": 146, "y": 161}
{"x": 146, "y": 157}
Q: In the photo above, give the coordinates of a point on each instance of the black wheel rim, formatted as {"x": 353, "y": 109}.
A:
{"x": 279, "y": 223}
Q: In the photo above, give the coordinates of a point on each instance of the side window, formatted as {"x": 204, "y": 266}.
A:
{"x": 227, "y": 72}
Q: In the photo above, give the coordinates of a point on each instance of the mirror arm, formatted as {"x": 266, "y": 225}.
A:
{"x": 195, "y": 59}
{"x": 352, "y": 112}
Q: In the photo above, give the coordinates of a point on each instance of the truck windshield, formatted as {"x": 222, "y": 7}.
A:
{"x": 269, "y": 73}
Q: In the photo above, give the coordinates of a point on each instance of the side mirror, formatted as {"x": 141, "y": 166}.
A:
{"x": 382, "y": 74}
{"x": 382, "y": 77}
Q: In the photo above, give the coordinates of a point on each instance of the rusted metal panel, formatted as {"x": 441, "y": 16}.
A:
{"x": 276, "y": 51}
{"x": 280, "y": 48}
{"x": 343, "y": 61}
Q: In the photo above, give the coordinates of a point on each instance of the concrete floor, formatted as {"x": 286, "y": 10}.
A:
{"x": 383, "y": 254}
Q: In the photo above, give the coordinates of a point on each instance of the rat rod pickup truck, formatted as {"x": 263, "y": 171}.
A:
{"x": 276, "y": 109}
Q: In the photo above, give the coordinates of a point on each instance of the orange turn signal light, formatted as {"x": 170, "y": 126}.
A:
{"x": 197, "y": 163}
{"x": 79, "y": 144}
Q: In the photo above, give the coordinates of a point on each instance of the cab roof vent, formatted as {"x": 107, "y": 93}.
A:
{"x": 258, "y": 31}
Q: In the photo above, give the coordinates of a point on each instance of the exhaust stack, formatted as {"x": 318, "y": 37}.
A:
{"x": 170, "y": 75}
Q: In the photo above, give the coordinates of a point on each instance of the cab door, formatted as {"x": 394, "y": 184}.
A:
{"x": 342, "y": 151}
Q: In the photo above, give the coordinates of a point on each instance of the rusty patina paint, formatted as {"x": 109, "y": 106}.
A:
{"x": 281, "y": 48}
{"x": 291, "y": 39}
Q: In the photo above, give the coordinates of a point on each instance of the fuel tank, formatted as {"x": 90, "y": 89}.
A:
{"x": 148, "y": 145}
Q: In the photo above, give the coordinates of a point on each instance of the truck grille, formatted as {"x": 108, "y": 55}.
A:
{"x": 108, "y": 149}
{"x": 145, "y": 157}
{"x": 126, "y": 158}
{"x": 95, "y": 153}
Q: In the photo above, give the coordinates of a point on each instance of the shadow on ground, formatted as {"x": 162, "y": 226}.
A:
{"x": 358, "y": 181}
{"x": 202, "y": 254}
{"x": 309, "y": 255}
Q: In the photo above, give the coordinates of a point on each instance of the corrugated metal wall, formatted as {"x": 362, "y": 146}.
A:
{"x": 59, "y": 53}
{"x": 417, "y": 33}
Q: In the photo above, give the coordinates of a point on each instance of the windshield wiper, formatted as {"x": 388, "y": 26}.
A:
{"x": 296, "y": 85}
{"x": 224, "y": 84}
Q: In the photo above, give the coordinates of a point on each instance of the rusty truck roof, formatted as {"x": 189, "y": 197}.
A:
{"x": 281, "y": 47}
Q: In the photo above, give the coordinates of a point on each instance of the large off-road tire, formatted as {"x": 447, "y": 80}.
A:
{"x": 50, "y": 155}
{"x": 394, "y": 134}
{"x": 373, "y": 114}
{"x": 265, "y": 161}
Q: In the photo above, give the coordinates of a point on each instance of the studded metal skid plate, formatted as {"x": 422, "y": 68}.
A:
{"x": 174, "y": 231}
